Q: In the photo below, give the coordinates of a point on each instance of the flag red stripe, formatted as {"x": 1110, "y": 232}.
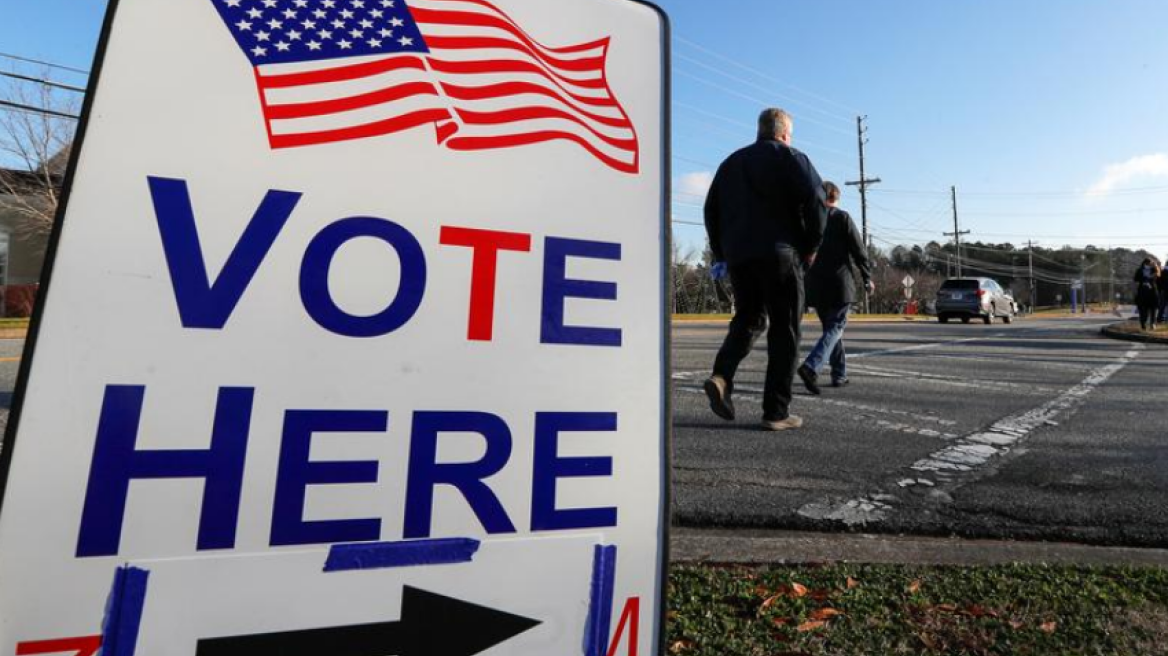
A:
{"x": 509, "y": 66}
{"x": 536, "y": 113}
{"x": 506, "y": 89}
{"x": 323, "y": 107}
{"x": 468, "y": 19}
{"x": 378, "y": 128}
{"x": 528, "y": 138}
{"x": 593, "y": 64}
{"x": 481, "y": 3}
{"x": 341, "y": 73}
{"x": 86, "y": 646}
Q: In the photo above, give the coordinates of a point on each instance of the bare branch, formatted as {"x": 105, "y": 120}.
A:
{"x": 33, "y": 149}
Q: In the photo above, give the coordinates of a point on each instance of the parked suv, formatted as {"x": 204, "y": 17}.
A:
{"x": 966, "y": 298}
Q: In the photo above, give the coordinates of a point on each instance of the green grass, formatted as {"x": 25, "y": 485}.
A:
{"x": 853, "y": 609}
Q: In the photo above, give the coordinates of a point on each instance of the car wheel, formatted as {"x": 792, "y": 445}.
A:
{"x": 988, "y": 319}
{"x": 1009, "y": 318}
{"x": 964, "y": 319}
{"x": 943, "y": 319}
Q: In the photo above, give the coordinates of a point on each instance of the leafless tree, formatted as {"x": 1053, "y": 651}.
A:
{"x": 34, "y": 151}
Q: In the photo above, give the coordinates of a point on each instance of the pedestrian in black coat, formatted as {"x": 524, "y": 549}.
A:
{"x": 1147, "y": 293}
{"x": 764, "y": 219}
{"x": 831, "y": 290}
{"x": 1162, "y": 287}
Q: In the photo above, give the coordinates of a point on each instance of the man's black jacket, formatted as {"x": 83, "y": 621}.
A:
{"x": 830, "y": 282}
{"x": 764, "y": 195}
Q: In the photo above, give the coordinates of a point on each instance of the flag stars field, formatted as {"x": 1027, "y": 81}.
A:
{"x": 366, "y": 28}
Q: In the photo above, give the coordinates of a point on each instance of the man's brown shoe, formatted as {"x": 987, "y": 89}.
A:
{"x": 789, "y": 423}
{"x": 718, "y": 390}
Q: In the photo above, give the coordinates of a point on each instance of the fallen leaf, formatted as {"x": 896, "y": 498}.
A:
{"x": 680, "y": 646}
{"x": 672, "y": 615}
{"x": 798, "y": 590}
{"x": 980, "y": 611}
{"x": 810, "y": 626}
{"x": 946, "y": 608}
{"x": 762, "y": 591}
{"x": 928, "y": 642}
{"x": 1015, "y": 624}
{"x": 853, "y": 583}
{"x": 824, "y": 614}
{"x": 1048, "y": 627}
{"x": 914, "y": 587}
{"x": 781, "y": 621}
{"x": 769, "y": 601}
{"x": 820, "y": 595}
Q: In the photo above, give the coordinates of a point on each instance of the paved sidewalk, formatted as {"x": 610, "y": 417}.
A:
{"x": 790, "y": 547}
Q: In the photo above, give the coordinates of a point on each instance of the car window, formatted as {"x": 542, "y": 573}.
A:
{"x": 967, "y": 285}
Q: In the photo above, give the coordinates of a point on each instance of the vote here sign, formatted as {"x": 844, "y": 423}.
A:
{"x": 354, "y": 338}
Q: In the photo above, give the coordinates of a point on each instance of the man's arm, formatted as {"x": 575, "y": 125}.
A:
{"x": 713, "y": 216}
{"x": 858, "y": 252}
{"x": 812, "y": 208}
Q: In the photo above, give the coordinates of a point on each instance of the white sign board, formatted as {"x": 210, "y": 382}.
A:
{"x": 909, "y": 281}
{"x": 355, "y": 340}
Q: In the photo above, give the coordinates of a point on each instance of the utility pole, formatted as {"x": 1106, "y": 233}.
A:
{"x": 1083, "y": 279}
{"x": 1111, "y": 265}
{"x": 1033, "y": 290}
{"x": 863, "y": 184}
{"x": 956, "y": 234}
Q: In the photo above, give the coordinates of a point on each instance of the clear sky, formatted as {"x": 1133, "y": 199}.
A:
{"x": 1049, "y": 116}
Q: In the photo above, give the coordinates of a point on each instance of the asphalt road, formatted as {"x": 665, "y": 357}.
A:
{"x": 1038, "y": 430}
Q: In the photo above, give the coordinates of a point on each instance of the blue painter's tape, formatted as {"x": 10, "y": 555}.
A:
{"x": 123, "y": 612}
{"x": 600, "y": 609}
{"x": 413, "y": 553}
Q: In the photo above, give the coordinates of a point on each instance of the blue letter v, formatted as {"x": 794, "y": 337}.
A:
{"x": 202, "y": 304}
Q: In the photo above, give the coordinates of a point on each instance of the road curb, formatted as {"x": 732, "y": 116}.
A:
{"x": 1114, "y": 332}
{"x": 755, "y": 547}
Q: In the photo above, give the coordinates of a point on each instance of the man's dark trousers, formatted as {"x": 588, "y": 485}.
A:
{"x": 773, "y": 287}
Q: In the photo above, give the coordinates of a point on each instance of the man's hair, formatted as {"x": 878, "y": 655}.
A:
{"x": 772, "y": 121}
{"x": 831, "y": 191}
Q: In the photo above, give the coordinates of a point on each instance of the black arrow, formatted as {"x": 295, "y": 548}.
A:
{"x": 431, "y": 625}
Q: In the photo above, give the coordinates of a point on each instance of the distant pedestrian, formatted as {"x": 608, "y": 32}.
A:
{"x": 764, "y": 219}
{"x": 1147, "y": 293}
{"x": 1162, "y": 288}
{"x": 831, "y": 290}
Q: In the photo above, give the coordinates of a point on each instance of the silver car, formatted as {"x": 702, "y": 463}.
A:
{"x": 966, "y": 298}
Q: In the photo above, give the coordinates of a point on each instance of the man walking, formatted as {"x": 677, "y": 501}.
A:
{"x": 831, "y": 290}
{"x": 1162, "y": 287}
{"x": 764, "y": 219}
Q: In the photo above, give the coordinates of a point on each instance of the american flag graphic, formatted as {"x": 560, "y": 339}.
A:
{"x": 334, "y": 70}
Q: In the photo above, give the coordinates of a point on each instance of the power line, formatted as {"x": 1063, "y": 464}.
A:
{"x": 43, "y": 63}
{"x": 759, "y": 87}
{"x": 751, "y": 128}
{"x": 694, "y": 161}
{"x": 36, "y": 110}
{"x": 756, "y": 99}
{"x": 1023, "y": 194}
{"x": 37, "y": 80}
{"x": 763, "y": 75}
{"x": 1045, "y": 214}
